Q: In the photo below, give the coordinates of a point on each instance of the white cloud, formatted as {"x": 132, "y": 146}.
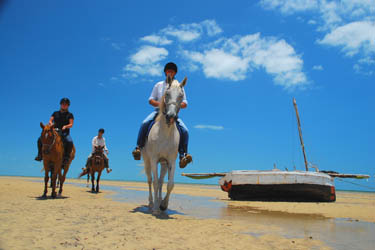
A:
{"x": 234, "y": 58}
{"x": 149, "y": 55}
{"x": 290, "y": 6}
{"x": 318, "y": 67}
{"x": 210, "y": 127}
{"x": 115, "y": 46}
{"x": 312, "y": 22}
{"x": 211, "y": 27}
{"x": 184, "y": 35}
{"x": 147, "y": 61}
{"x": 157, "y": 40}
{"x": 219, "y": 64}
{"x": 345, "y": 24}
{"x": 353, "y": 38}
{"x": 192, "y": 31}
{"x": 221, "y": 58}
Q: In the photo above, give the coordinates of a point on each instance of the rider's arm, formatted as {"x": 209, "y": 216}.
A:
{"x": 51, "y": 120}
{"x": 105, "y": 147}
{"x": 184, "y": 101}
{"x": 94, "y": 143}
{"x": 154, "y": 103}
{"x": 68, "y": 125}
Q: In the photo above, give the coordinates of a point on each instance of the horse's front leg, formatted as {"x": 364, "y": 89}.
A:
{"x": 60, "y": 178}
{"x": 97, "y": 181}
{"x": 92, "y": 181}
{"x": 163, "y": 171}
{"x": 54, "y": 177}
{"x": 157, "y": 199}
{"x": 149, "y": 181}
{"x": 63, "y": 176}
{"x": 46, "y": 179}
{"x": 171, "y": 170}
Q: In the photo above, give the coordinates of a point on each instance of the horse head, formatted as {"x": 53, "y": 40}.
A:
{"x": 98, "y": 154}
{"x": 48, "y": 137}
{"x": 99, "y": 149}
{"x": 173, "y": 97}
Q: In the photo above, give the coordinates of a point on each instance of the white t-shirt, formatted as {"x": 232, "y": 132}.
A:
{"x": 158, "y": 92}
{"x": 96, "y": 141}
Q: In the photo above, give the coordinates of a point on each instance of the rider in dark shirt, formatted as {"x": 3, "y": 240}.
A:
{"x": 63, "y": 120}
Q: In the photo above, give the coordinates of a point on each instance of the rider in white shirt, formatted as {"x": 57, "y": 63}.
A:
{"x": 99, "y": 140}
{"x": 154, "y": 100}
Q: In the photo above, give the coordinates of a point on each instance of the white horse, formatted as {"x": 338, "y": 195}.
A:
{"x": 162, "y": 145}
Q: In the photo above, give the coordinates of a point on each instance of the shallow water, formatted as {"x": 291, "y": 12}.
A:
{"x": 337, "y": 233}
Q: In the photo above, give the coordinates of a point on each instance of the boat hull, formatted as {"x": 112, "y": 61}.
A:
{"x": 279, "y": 186}
{"x": 283, "y": 192}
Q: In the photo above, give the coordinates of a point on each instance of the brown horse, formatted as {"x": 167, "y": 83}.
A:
{"x": 53, "y": 151}
{"x": 96, "y": 165}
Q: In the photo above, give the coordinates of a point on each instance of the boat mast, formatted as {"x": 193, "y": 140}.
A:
{"x": 300, "y": 133}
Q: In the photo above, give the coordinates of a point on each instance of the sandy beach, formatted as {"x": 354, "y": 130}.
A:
{"x": 199, "y": 217}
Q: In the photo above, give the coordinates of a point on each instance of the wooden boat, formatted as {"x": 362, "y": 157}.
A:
{"x": 278, "y": 185}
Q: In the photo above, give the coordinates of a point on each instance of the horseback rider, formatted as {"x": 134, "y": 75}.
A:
{"x": 63, "y": 121}
{"x": 99, "y": 140}
{"x": 154, "y": 100}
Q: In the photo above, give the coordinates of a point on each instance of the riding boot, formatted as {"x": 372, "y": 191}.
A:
{"x": 39, "y": 157}
{"x": 66, "y": 159}
{"x": 185, "y": 158}
{"x": 106, "y": 165}
{"x": 137, "y": 153}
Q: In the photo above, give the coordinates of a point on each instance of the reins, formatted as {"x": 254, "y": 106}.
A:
{"x": 53, "y": 142}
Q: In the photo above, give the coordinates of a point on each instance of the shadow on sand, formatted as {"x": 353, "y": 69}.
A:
{"x": 93, "y": 192}
{"x": 48, "y": 197}
{"x": 163, "y": 215}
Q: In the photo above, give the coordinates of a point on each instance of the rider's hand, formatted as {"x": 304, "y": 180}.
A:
{"x": 63, "y": 128}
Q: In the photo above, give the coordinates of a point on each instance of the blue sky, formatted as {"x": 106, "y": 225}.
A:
{"x": 245, "y": 61}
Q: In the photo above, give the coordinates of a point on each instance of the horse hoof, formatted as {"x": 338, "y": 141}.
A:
{"x": 44, "y": 196}
{"x": 54, "y": 195}
{"x": 156, "y": 212}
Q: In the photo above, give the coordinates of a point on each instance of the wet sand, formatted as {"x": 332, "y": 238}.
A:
{"x": 199, "y": 217}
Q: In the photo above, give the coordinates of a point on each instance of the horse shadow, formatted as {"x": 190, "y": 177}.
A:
{"x": 93, "y": 192}
{"x": 41, "y": 198}
{"x": 164, "y": 215}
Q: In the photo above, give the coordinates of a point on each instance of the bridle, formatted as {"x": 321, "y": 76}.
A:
{"x": 51, "y": 144}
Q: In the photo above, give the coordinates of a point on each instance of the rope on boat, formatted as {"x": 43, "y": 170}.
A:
{"x": 356, "y": 184}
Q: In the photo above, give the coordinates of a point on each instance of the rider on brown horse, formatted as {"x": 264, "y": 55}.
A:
{"x": 99, "y": 140}
{"x": 63, "y": 121}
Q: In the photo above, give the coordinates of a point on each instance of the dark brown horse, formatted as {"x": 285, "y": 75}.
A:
{"x": 53, "y": 151}
{"x": 96, "y": 165}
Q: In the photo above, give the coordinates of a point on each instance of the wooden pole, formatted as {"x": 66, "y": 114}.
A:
{"x": 300, "y": 134}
